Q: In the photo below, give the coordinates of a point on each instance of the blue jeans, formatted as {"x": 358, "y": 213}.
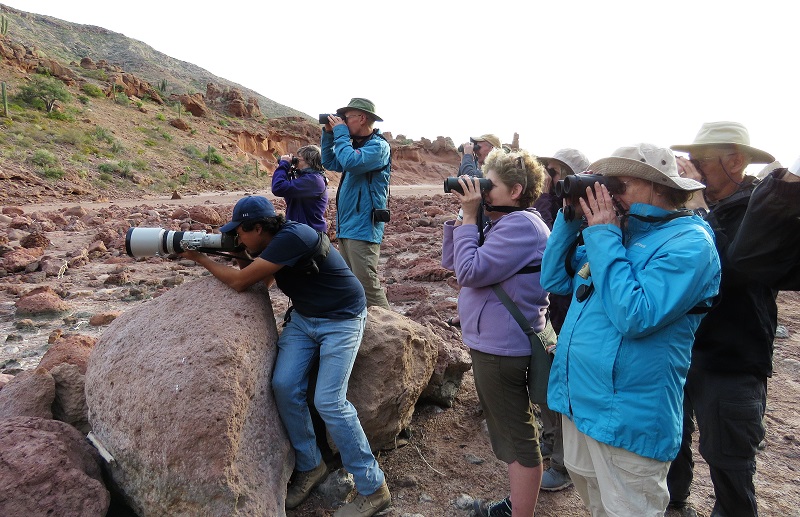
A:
{"x": 335, "y": 343}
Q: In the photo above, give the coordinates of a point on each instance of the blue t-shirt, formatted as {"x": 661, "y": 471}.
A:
{"x": 333, "y": 293}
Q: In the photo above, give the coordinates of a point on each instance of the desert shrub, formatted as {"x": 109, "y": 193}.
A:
{"x": 43, "y": 158}
{"x": 121, "y": 99}
{"x": 98, "y": 74}
{"x": 54, "y": 173}
{"x": 193, "y": 152}
{"x": 92, "y": 90}
{"x": 212, "y": 156}
{"x": 60, "y": 115}
{"x": 102, "y": 135}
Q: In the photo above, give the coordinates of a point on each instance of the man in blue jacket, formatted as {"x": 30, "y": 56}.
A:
{"x": 352, "y": 146}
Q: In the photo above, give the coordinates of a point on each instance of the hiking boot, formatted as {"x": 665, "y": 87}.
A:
{"x": 366, "y": 505}
{"x": 482, "y": 508}
{"x": 553, "y": 480}
{"x": 681, "y": 510}
{"x": 304, "y": 483}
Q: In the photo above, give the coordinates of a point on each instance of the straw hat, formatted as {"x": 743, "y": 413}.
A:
{"x": 725, "y": 134}
{"x": 647, "y": 162}
{"x": 574, "y": 160}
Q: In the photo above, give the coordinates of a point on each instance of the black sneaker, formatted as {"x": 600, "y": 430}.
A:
{"x": 483, "y": 508}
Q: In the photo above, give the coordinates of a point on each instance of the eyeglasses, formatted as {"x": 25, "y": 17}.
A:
{"x": 699, "y": 162}
{"x": 346, "y": 117}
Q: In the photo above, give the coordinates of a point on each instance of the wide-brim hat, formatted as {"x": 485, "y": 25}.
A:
{"x": 648, "y": 162}
{"x": 488, "y": 137}
{"x": 731, "y": 135}
{"x": 572, "y": 159}
{"x": 250, "y": 208}
{"x": 361, "y": 104}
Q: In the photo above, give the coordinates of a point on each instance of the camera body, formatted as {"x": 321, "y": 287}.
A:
{"x": 295, "y": 160}
{"x": 453, "y": 184}
{"x": 158, "y": 242}
{"x": 380, "y": 215}
{"x": 323, "y": 117}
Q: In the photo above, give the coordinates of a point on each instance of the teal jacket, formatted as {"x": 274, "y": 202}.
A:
{"x": 623, "y": 352}
{"x": 365, "y": 182}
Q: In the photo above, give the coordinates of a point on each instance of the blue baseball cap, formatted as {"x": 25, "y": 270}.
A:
{"x": 250, "y": 208}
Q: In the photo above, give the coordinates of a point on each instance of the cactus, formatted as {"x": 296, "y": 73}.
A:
{"x": 3, "y": 25}
{"x": 5, "y": 101}
{"x": 163, "y": 86}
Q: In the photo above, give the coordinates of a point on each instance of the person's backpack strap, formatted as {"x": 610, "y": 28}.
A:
{"x": 310, "y": 263}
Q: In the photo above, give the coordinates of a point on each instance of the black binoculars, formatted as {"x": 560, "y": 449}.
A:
{"x": 453, "y": 184}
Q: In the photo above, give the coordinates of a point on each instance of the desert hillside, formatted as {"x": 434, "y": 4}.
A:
{"x": 89, "y": 114}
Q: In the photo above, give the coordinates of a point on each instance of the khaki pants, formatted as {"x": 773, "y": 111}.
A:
{"x": 362, "y": 258}
{"x": 611, "y": 481}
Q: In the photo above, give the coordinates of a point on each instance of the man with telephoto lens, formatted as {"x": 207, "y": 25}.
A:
{"x": 326, "y": 324}
{"x": 352, "y": 146}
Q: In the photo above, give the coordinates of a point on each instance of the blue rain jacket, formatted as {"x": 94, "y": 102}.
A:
{"x": 623, "y": 353}
{"x": 359, "y": 192}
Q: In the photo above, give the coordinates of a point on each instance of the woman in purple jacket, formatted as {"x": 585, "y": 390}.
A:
{"x": 301, "y": 180}
{"x": 513, "y": 239}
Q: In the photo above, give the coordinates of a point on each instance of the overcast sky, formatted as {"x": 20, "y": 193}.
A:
{"x": 593, "y": 75}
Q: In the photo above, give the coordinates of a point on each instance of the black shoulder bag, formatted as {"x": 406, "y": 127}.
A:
{"x": 539, "y": 369}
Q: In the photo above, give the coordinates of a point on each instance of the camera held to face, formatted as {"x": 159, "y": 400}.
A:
{"x": 475, "y": 148}
{"x": 323, "y": 117}
{"x": 453, "y": 184}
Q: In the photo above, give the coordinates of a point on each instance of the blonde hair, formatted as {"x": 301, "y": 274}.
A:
{"x": 518, "y": 167}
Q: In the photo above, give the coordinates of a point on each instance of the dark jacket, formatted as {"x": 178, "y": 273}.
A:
{"x": 767, "y": 247}
{"x": 305, "y": 192}
{"x": 737, "y": 335}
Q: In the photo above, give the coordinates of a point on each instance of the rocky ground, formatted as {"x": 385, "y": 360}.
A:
{"x": 446, "y": 458}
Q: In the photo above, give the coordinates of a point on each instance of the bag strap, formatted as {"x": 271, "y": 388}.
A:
{"x": 517, "y": 314}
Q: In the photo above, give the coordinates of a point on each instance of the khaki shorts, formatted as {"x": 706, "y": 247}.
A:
{"x": 502, "y": 386}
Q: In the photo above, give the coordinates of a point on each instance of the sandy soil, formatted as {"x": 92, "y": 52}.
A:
{"x": 448, "y": 453}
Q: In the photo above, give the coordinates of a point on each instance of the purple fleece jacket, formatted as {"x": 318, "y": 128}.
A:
{"x": 514, "y": 241}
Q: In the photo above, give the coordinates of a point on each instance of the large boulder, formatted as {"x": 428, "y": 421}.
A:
{"x": 29, "y": 393}
{"x": 179, "y": 393}
{"x": 49, "y": 469}
{"x": 393, "y": 367}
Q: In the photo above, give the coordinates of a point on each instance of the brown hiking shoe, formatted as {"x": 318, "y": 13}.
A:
{"x": 366, "y": 505}
{"x": 304, "y": 483}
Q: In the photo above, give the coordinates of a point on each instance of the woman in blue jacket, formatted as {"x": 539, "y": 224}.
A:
{"x": 639, "y": 282}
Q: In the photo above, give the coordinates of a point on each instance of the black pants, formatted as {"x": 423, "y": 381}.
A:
{"x": 729, "y": 409}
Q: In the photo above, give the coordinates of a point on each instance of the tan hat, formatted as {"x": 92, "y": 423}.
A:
{"x": 488, "y": 137}
{"x": 647, "y": 162}
{"x": 361, "y": 104}
{"x": 574, "y": 160}
{"x": 725, "y": 134}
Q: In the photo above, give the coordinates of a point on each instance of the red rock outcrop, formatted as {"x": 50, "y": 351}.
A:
{"x": 49, "y": 469}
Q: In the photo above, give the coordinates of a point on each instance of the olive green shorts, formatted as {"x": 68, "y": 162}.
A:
{"x": 502, "y": 386}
